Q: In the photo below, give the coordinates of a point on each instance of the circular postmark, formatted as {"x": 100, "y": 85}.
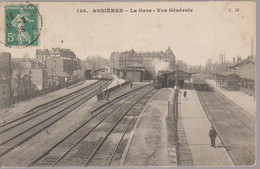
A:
{"x": 22, "y": 24}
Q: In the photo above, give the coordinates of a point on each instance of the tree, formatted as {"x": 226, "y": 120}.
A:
{"x": 172, "y": 65}
{"x": 96, "y": 62}
{"x": 18, "y": 72}
{"x": 182, "y": 65}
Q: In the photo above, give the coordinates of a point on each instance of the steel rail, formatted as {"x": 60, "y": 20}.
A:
{"x": 50, "y": 103}
{"x": 82, "y": 125}
{"x": 110, "y": 131}
{"x": 73, "y": 107}
{"x": 226, "y": 121}
{"x": 123, "y": 134}
{"x": 221, "y": 130}
{"x": 37, "y": 114}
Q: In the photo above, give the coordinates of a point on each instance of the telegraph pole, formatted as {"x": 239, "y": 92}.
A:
{"x": 176, "y": 81}
{"x": 106, "y": 81}
{"x": 252, "y": 47}
{"x": 51, "y": 77}
{"x": 29, "y": 91}
{"x": 10, "y": 81}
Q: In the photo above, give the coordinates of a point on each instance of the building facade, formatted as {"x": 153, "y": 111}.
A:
{"x": 60, "y": 64}
{"x": 241, "y": 76}
{"x": 60, "y": 69}
{"x": 43, "y": 54}
{"x": 120, "y": 60}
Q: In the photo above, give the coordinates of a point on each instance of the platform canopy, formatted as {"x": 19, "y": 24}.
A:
{"x": 180, "y": 74}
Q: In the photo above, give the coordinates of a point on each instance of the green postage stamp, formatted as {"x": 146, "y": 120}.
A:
{"x": 21, "y": 25}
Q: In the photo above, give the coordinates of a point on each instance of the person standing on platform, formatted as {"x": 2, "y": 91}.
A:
{"x": 213, "y": 136}
{"x": 185, "y": 94}
{"x": 131, "y": 84}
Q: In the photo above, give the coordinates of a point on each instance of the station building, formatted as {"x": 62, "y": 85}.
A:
{"x": 241, "y": 76}
{"x": 137, "y": 73}
{"x": 119, "y": 61}
{"x": 172, "y": 78}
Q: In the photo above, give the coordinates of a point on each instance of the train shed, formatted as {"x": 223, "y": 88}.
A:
{"x": 137, "y": 72}
{"x": 168, "y": 78}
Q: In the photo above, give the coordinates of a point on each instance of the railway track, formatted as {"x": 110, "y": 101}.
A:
{"x": 235, "y": 129}
{"x": 92, "y": 139}
{"x": 22, "y": 129}
{"x": 50, "y": 104}
{"x": 104, "y": 154}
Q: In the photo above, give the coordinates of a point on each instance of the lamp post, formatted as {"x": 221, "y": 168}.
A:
{"x": 176, "y": 76}
{"x": 106, "y": 81}
{"x": 29, "y": 90}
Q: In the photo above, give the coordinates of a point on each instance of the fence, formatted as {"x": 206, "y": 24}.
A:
{"x": 34, "y": 93}
{"x": 176, "y": 115}
{"x": 105, "y": 94}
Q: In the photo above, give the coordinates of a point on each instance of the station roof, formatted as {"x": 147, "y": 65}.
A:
{"x": 240, "y": 63}
{"x": 225, "y": 73}
{"x": 173, "y": 72}
{"x": 246, "y": 72}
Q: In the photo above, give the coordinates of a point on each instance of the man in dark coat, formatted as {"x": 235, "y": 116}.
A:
{"x": 213, "y": 136}
{"x": 185, "y": 94}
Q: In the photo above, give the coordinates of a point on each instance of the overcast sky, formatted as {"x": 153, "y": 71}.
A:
{"x": 193, "y": 37}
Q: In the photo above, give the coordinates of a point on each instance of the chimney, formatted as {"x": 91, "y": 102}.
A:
{"x": 237, "y": 58}
{"x": 234, "y": 59}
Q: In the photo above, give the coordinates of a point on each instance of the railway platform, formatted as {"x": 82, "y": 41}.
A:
{"x": 151, "y": 142}
{"x": 116, "y": 81}
{"x": 239, "y": 98}
{"x": 193, "y": 133}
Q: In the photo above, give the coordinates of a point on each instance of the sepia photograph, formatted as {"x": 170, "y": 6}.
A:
{"x": 128, "y": 84}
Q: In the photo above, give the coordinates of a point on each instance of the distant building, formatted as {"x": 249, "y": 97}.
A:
{"x": 60, "y": 69}
{"x": 135, "y": 72}
{"x": 241, "y": 76}
{"x": 61, "y": 64}
{"x": 240, "y": 64}
{"x": 121, "y": 60}
{"x": 43, "y": 54}
{"x": 114, "y": 62}
{"x": 5, "y": 79}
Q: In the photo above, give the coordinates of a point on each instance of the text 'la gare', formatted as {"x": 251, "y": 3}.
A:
{"x": 161, "y": 10}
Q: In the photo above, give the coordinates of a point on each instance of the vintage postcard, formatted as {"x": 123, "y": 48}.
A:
{"x": 127, "y": 84}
